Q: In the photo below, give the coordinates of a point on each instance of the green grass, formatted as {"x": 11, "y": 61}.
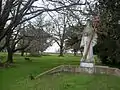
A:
{"x": 68, "y": 81}
{"x": 16, "y": 78}
{"x": 10, "y": 76}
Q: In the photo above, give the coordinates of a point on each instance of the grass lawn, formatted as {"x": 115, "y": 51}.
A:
{"x": 10, "y": 76}
{"x": 16, "y": 78}
{"x": 68, "y": 81}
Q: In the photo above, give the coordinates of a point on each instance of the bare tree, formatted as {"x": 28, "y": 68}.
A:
{"x": 19, "y": 11}
{"x": 23, "y": 40}
{"x": 15, "y": 12}
{"x": 16, "y": 37}
{"x": 58, "y": 30}
{"x": 40, "y": 38}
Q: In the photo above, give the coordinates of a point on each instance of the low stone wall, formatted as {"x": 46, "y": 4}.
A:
{"x": 107, "y": 70}
{"x": 78, "y": 69}
{"x": 96, "y": 70}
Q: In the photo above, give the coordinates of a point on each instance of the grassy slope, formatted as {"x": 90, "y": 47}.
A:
{"x": 11, "y": 76}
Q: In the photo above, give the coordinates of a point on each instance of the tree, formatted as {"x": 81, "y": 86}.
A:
{"x": 18, "y": 11}
{"x": 59, "y": 31}
{"x": 12, "y": 45}
{"x": 2, "y": 43}
{"x": 108, "y": 42}
{"x": 15, "y": 12}
{"x": 73, "y": 40}
{"x": 41, "y": 40}
{"x": 25, "y": 39}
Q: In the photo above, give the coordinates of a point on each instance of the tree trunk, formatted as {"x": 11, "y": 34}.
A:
{"x": 22, "y": 53}
{"x": 9, "y": 48}
{"x": 63, "y": 37}
{"x": 10, "y": 56}
{"x": 61, "y": 51}
{"x": 75, "y": 52}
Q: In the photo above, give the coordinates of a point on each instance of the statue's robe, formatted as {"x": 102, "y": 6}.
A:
{"x": 87, "y": 34}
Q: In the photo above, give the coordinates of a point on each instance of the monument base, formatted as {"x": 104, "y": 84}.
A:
{"x": 87, "y": 67}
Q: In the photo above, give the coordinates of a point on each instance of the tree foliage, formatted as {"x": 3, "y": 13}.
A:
{"x": 108, "y": 46}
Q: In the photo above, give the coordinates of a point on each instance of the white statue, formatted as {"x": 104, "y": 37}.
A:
{"x": 89, "y": 40}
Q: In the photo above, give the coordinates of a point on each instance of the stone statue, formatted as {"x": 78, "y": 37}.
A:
{"x": 89, "y": 40}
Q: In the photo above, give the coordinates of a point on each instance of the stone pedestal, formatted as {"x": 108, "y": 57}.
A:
{"x": 87, "y": 67}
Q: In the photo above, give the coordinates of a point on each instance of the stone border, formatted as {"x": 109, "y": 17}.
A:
{"x": 77, "y": 69}
{"x": 48, "y": 71}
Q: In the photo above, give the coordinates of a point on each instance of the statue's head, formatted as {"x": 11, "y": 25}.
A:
{"x": 88, "y": 29}
{"x": 96, "y": 21}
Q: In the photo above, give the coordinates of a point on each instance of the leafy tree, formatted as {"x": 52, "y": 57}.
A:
{"x": 108, "y": 46}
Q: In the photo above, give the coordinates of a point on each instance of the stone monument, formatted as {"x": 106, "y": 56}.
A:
{"x": 89, "y": 40}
